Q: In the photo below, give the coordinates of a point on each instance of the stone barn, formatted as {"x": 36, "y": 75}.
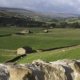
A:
{"x": 24, "y": 50}
{"x": 45, "y": 31}
{"x": 24, "y": 32}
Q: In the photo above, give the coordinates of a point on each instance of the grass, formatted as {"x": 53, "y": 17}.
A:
{"x": 11, "y": 30}
{"x": 68, "y": 53}
{"x": 6, "y": 55}
{"x": 39, "y": 40}
{"x": 35, "y": 42}
{"x": 55, "y": 38}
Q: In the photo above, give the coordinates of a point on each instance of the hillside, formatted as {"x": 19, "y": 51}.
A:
{"x": 11, "y": 17}
{"x": 16, "y": 12}
{"x": 21, "y": 17}
{"x": 61, "y": 15}
{"x": 23, "y": 13}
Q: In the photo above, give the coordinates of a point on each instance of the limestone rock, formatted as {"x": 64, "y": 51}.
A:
{"x": 41, "y": 70}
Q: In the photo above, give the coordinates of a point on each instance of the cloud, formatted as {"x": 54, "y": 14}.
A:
{"x": 71, "y": 6}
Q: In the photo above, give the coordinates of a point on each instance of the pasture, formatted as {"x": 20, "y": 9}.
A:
{"x": 65, "y": 53}
{"x": 38, "y": 40}
{"x": 6, "y": 55}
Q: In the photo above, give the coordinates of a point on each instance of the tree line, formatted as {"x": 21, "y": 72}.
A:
{"x": 29, "y": 22}
{"x": 20, "y": 22}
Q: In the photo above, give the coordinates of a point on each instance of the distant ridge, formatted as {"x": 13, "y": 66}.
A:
{"x": 26, "y": 12}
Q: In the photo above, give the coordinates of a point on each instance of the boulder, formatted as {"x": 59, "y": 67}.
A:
{"x": 18, "y": 72}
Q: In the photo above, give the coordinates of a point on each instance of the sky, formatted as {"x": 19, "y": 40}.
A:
{"x": 59, "y": 6}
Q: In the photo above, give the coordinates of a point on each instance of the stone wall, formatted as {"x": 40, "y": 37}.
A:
{"x": 41, "y": 70}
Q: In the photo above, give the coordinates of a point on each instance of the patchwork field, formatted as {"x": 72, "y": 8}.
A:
{"x": 39, "y": 40}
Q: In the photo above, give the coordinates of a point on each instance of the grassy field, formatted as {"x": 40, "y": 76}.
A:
{"x": 65, "y": 53}
{"x": 55, "y": 38}
{"x": 7, "y": 55}
{"x": 5, "y": 30}
{"x": 38, "y": 40}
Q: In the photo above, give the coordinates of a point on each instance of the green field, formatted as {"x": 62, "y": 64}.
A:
{"x": 6, "y": 55}
{"x": 65, "y": 53}
{"x": 55, "y": 38}
{"x": 39, "y": 40}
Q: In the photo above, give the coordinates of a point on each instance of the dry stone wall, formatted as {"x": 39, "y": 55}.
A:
{"x": 41, "y": 70}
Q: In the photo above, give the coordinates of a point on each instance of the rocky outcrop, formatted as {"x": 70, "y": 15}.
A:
{"x": 41, "y": 70}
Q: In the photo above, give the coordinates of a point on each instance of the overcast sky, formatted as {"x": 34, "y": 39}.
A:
{"x": 68, "y": 6}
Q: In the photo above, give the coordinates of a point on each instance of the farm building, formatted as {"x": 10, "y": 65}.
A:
{"x": 24, "y": 32}
{"x": 51, "y": 27}
{"x": 45, "y": 31}
{"x": 24, "y": 50}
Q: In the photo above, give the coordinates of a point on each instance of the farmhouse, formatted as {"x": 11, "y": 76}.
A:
{"x": 24, "y": 50}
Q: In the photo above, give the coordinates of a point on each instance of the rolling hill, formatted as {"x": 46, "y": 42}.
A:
{"x": 36, "y": 15}
{"x": 23, "y": 17}
{"x": 23, "y": 13}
